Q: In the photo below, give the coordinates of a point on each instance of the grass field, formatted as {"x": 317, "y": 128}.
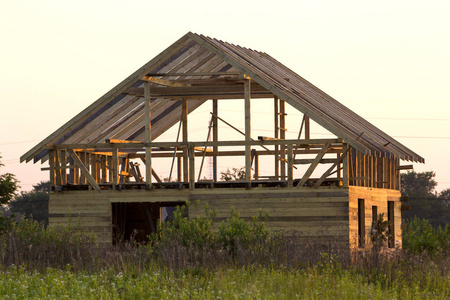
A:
{"x": 248, "y": 263}
{"x": 233, "y": 283}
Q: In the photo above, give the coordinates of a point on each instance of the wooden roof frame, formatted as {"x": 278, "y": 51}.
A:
{"x": 199, "y": 68}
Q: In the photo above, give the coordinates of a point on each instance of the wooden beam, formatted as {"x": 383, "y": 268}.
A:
{"x": 276, "y": 125}
{"x": 164, "y": 82}
{"x": 116, "y": 141}
{"x": 306, "y": 161}
{"x": 307, "y": 129}
{"x": 290, "y": 166}
{"x": 138, "y": 146}
{"x": 58, "y": 168}
{"x": 115, "y": 167}
{"x": 313, "y": 165}
{"x": 405, "y": 167}
{"x": 193, "y": 74}
{"x": 148, "y": 135}
{"x": 248, "y": 167}
{"x": 84, "y": 170}
{"x": 208, "y": 91}
{"x": 282, "y": 129}
{"x": 266, "y": 138}
{"x": 191, "y": 168}
{"x": 184, "y": 121}
{"x": 51, "y": 162}
{"x": 215, "y": 137}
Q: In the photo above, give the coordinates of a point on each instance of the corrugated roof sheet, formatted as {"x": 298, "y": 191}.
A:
{"x": 119, "y": 114}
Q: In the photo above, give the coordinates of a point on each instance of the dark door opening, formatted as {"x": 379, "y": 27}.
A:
{"x": 136, "y": 221}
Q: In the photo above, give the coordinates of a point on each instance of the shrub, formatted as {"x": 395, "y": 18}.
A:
{"x": 420, "y": 236}
{"x": 379, "y": 231}
{"x": 251, "y": 236}
{"x": 32, "y": 243}
{"x": 189, "y": 231}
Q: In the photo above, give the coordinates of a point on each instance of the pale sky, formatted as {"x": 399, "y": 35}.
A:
{"x": 389, "y": 61}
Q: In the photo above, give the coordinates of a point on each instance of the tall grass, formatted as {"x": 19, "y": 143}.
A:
{"x": 186, "y": 258}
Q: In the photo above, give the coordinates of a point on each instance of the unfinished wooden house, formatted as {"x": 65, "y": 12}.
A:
{"x": 105, "y": 164}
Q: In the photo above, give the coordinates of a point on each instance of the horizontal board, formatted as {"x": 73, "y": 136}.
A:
{"x": 290, "y": 219}
{"x": 279, "y": 195}
{"x": 86, "y": 223}
{"x": 294, "y": 201}
{"x": 277, "y": 205}
{"x": 149, "y": 199}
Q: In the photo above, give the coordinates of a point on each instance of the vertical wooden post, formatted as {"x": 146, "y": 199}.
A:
{"x": 179, "y": 168}
{"x": 184, "y": 121}
{"x": 256, "y": 176}
{"x": 115, "y": 167}
{"x": 375, "y": 171}
{"x": 282, "y": 137}
{"x": 63, "y": 160}
{"x": 345, "y": 167}
{"x": 307, "y": 129}
{"x": 248, "y": 167}
{"x": 58, "y": 178}
{"x": 51, "y": 162}
{"x": 338, "y": 173}
{"x": 104, "y": 160}
{"x": 215, "y": 137}
{"x": 148, "y": 135}
{"x": 290, "y": 171}
{"x": 191, "y": 167}
{"x": 81, "y": 176}
{"x": 110, "y": 168}
{"x": 276, "y": 125}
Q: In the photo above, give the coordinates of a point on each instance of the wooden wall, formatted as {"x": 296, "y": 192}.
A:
{"x": 321, "y": 213}
{"x": 88, "y": 209}
{"x": 373, "y": 197}
{"x": 92, "y": 211}
{"x": 327, "y": 213}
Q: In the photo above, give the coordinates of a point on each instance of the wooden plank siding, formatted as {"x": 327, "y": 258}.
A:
{"x": 326, "y": 214}
{"x": 89, "y": 210}
{"x": 373, "y": 197}
{"x": 319, "y": 213}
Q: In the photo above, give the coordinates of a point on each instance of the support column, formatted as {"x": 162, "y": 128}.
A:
{"x": 248, "y": 167}
{"x": 345, "y": 167}
{"x": 282, "y": 137}
{"x": 51, "y": 162}
{"x": 184, "y": 121}
{"x": 307, "y": 129}
{"x": 115, "y": 167}
{"x": 148, "y": 135}
{"x": 275, "y": 113}
{"x": 290, "y": 165}
{"x": 215, "y": 137}
{"x": 191, "y": 167}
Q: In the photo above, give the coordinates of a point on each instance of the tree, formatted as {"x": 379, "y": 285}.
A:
{"x": 418, "y": 184}
{"x": 234, "y": 174}
{"x": 424, "y": 202}
{"x": 33, "y": 204}
{"x": 8, "y": 186}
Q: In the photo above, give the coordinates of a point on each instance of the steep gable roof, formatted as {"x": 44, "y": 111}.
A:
{"x": 201, "y": 60}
